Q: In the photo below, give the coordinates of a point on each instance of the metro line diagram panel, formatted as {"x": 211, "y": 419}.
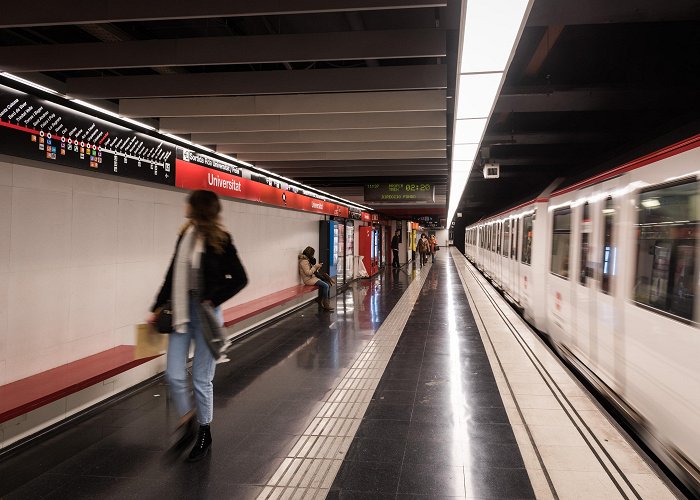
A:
{"x": 38, "y": 129}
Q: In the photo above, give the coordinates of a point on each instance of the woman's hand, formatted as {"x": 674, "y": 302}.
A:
{"x": 151, "y": 320}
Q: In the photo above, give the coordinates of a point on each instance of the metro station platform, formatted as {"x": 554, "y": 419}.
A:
{"x": 423, "y": 383}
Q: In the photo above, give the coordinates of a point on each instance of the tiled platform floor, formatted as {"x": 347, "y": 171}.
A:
{"x": 436, "y": 426}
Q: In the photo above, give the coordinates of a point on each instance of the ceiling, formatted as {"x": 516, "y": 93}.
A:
{"x": 338, "y": 93}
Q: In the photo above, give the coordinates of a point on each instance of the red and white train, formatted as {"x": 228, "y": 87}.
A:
{"x": 606, "y": 268}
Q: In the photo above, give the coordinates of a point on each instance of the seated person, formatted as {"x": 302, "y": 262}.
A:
{"x": 307, "y": 271}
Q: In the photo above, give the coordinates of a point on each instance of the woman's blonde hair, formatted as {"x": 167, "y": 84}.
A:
{"x": 205, "y": 208}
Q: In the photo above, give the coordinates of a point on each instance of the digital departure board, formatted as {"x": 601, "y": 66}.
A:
{"x": 38, "y": 129}
{"x": 400, "y": 192}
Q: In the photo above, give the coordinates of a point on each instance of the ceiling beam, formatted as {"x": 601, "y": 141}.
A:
{"x": 339, "y": 121}
{"x": 255, "y": 49}
{"x": 515, "y": 139}
{"x": 538, "y": 99}
{"x": 17, "y": 14}
{"x": 331, "y": 147}
{"x": 386, "y": 78}
{"x": 556, "y": 12}
{"x": 344, "y": 155}
{"x": 304, "y": 136}
{"x": 272, "y": 165}
{"x": 357, "y": 102}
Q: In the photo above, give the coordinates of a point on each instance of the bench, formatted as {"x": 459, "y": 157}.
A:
{"x": 236, "y": 315}
{"x": 35, "y": 391}
{"x": 28, "y": 394}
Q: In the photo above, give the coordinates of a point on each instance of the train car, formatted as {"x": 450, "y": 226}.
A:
{"x": 606, "y": 269}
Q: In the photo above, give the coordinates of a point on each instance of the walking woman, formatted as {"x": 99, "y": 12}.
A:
{"x": 307, "y": 272}
{"x": 433, "y": 246}
{"x": 205, "y": 269}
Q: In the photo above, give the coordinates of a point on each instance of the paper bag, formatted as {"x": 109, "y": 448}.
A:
{"x": 149, "y": 342}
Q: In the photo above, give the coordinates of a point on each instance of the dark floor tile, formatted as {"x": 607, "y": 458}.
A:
{"x": 389, "y": 412}
{"x": 431, "y": 479}
{"x": 40, "y": 487}
{"x": 394, "y": 397}
{"x": 397, "y": 385}
{"x": 368, "y": 477}
{"x": 435, "y": 431}
{"x": 500, "y": 483}
{"x": 358, "y": 495}
{"x": 376, "y": 450}
{"x": 267, "y": 444}
{"x": 493, "y": 455}
{"x": 492, "y": 433}
{"x": 383, "y": 429}
{"x": 429, "y": 451}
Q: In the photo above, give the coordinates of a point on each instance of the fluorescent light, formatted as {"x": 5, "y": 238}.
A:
{"x": 476, "y": 94}
{"x": 469, "y": 131}
{"x": 651, "y": 203}
{"x": 30, "y": 83}
{"x": 464, "y": 152}
{"x": 491, "y": 28}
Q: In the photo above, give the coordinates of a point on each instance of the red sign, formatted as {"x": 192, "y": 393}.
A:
{"x": 366, "y": 216}
{"x": 191, "y": 176}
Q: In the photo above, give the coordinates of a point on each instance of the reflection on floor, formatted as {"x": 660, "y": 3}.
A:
{"x": 263, "y": 399}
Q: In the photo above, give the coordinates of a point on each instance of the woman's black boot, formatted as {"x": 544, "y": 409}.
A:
{"x": 201, "y": 445}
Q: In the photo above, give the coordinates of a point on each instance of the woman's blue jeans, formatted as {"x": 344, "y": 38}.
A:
{"x": 203, "y": 367}
{"x": 325, "y": 289}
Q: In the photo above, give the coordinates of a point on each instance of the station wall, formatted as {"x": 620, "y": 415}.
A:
{"x": 81, "y": 259}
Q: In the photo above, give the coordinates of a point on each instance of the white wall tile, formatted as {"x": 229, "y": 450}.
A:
{"x": 87, "y": 346}
{"x": 40, "y": 359}
{"x": 137, "y": 285}
{"x": 43, "y": 179}
{"x": 167, "y": 223}
{"x": 5, "y": 173}
{"x": 38, "y": 305}
{"x": 41, "y": 229}
{"x": 135, "y": 231}
{"x": 5, "y": 227}
{"x": 136, "y": 193}
{"x": 92, "y": 185}
{"x": 92, "y": 296}
{"x": 94, "y": 235}
{"x": 167, "y": 197}
{"x": 3, "y": 375}
{"x": 4, "y": 309}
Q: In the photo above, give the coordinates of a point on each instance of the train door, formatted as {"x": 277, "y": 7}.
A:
{"x": 607, "y": 315}
{"x": 514, "y": 263}
{"x": 526, "y": 275}
{"x": 505, "y": 257}
{"x": 559, "y": 276}
{"x": 586, "y": 284}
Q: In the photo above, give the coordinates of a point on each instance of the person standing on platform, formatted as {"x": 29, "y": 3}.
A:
{"x": 204, "y": 271}
{"x": 307, "y": 271}
{"x": 433, "y": 246}
{"x": 395, "y": 249}
{"x": 423, "y": 249}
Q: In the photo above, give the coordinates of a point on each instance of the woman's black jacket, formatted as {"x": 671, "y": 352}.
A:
{"x": 222, "y": 273}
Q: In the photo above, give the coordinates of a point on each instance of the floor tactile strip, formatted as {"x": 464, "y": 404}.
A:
{"x": 315, "y": 458}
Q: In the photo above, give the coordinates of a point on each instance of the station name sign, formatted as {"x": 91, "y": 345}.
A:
{"x": 400, "y": 192}
{"x": 47, "y": 130}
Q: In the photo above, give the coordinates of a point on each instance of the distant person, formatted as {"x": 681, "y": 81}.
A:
{"x": 432, "y": 241}
{"x": 423, "y": 249}
{"x": 205, "y": 271}
{"x": 307, "y": 272}
{"x": 395, "y": 249}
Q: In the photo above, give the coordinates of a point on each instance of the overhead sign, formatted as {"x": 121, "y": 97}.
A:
{"x": 430, "y": 221}
{"x": 38, "y": 129}
{"x": 45, "y": 130}
{"x": 400, "y": 192}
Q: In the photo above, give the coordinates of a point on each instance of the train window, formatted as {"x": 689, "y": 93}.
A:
{"x": 585, "y": 270}
{"x": 667, "y": 229}
{"x": 506, "y": 238}
{"x": 609, "y": 251}
{"x": 526, "y": 252}
{"x": 561, "y": 236}
{"x": 514, "y": 239}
